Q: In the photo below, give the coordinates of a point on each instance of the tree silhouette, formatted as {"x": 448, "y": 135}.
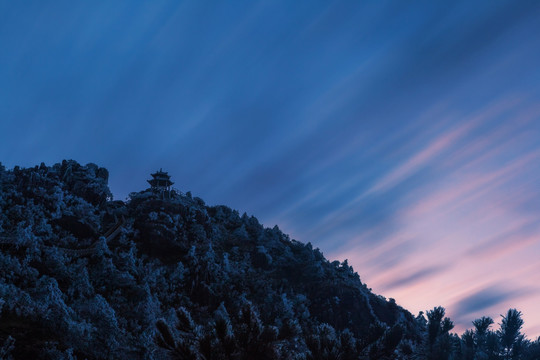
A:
{"x": 481, "y": 335}
{"x": 510, "y": 334}
{"x": 438, "y": 337}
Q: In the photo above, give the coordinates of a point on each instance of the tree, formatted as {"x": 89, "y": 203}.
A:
{"x": 438, "y": 338}
{"x": 323, "y": 344}
{"x": 468, "y": 345}
{"x": 510, "y": 334}
{"x": 186, "y": 346}
{"x": 481, "y": 335}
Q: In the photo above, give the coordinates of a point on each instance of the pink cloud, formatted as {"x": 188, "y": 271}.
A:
{"x": 420, "y": 159}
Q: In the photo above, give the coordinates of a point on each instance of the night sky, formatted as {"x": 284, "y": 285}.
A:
{"x": 405, "y": 138}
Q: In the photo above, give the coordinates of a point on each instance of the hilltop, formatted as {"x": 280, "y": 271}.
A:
{"x": 155, "y": 277}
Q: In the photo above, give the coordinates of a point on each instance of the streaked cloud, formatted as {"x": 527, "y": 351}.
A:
{"x": 416, "y": 276}
{"x": 484, "y": 299}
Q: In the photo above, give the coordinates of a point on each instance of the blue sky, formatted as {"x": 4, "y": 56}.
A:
{"x": 402, "y": 136}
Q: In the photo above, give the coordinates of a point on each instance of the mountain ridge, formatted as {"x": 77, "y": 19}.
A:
{"x": 84, "y": 276}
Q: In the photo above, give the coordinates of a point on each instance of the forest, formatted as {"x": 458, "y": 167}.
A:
{"x": 83, "y": 276}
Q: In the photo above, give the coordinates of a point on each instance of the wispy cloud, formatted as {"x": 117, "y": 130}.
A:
{"x": 422, "y": 158}
{"x": 482, "y": 300}
{"x": 415, "y": 277}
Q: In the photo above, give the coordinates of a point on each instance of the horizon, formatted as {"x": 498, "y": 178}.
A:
{"x": 405, "y": 139}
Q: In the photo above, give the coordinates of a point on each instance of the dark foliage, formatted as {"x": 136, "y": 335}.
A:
{"x": 82, "y": 276}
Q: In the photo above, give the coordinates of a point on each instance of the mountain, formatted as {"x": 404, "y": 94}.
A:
{"x": 163, "y": 275}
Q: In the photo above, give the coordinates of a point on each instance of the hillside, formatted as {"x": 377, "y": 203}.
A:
{"x": 83, "y": 276}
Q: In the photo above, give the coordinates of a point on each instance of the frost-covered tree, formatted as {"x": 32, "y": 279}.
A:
{"x": 83, "y": 276}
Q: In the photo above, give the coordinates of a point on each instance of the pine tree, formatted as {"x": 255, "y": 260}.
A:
{"x": 480, "y": 335}
{"x": 510, "y": 334}
{"x": 438, "y": 338}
